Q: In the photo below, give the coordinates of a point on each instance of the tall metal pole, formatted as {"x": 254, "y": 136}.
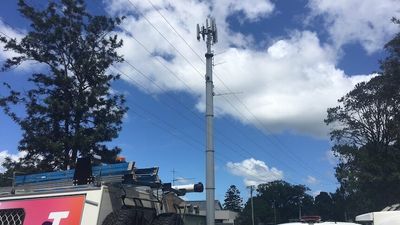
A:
{"x": 274, "y": 212}
{"x": 299, "y": 212}
{"x": 252, "y": 205}
{"x": 210, "y": 183}
{"x": 300, "y": 204}
{"x": 210, "y": 32}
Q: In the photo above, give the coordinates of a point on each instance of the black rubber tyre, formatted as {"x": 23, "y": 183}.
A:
{"x": 168, "y": 219}
{"x": 122, "y": 217}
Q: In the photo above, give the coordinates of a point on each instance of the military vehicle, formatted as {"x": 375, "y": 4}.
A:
{"x": 113, "y": 194}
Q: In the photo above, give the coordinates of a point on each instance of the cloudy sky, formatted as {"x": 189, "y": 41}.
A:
{"x": 278, "y": 66}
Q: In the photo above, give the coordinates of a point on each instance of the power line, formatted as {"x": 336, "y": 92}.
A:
{"x": 170, "y": 126}
{"x": 166, "y": 39}
{"x": 189, "y": 142}
{"x": 138, "y": 84}
{"x": 176, "y": 32}
{"x": 163, "y": 64}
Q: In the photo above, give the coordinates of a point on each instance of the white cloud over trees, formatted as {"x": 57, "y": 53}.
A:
{"x": 254, "y": 172}
{"x": 5, "y": 154}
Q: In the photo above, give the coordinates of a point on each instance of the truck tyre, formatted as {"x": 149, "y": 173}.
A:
{"x": 123, "y": 217}
{"x": 168, "y": 219}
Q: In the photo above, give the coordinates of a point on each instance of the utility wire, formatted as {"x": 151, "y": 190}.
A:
{"x": 174, "y": 109}
{"x": 189, "y": 142}
{"x": 166, "y": 39}
{"x": 170, "y": 126}
{"x": 176, "y": 32}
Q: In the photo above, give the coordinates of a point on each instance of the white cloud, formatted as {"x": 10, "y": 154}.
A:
{"x": 316, "y": 193}
{"x": 9, "y": 32}
{"x": 252, "y": 9}
{"x": 4, "y": 154}
{"x": 287, "y": 87}
{"x": 366, "y": 22}
{"x": 312, "y": 180}
{"x": 182, "y": 181}
{"x": 254, "y": 171}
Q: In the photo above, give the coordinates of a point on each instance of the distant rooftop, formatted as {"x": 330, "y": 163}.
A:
{"x": 202, "y": 204}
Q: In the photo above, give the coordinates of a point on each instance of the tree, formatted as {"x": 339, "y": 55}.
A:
{"x": 278, "y": 199}
{"x": 324, "y": 206}
{"x": 366, "y": 133}
{"x": 233, "y": 201}
{"x": 5, "y": 180}
{"x": 343, "y": 205}
{"x": 71, "y": 110}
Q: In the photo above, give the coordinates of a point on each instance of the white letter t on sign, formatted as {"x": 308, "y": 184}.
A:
{"x": 58, "y": 216}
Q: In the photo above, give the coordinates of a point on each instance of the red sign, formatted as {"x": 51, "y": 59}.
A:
{"x": 66, "y": 210}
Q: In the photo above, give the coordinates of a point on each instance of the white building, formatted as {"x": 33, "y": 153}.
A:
{"x": 222, "y": 216}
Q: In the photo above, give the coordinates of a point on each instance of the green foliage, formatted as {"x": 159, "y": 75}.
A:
{"x": 324, "y": 206}
{"x": 71, "y": 109}
{"x": 233, "y": 201}
{"x": 278, "y": 199}
{"x": 366, "y": 133}
{"x": 5, "y": 180}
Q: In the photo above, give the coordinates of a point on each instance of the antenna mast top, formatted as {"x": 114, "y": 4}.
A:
{"x": 210, "y": 29}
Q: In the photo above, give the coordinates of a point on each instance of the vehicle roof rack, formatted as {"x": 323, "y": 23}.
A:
{"x": 124, "y": 173}
{"x": 103, "y": 171}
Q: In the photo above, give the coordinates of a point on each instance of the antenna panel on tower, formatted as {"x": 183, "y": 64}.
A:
{"x": 214, "y": 31}
{"x": 198, "y": 32}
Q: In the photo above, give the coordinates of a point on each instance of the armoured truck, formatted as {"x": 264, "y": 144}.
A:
{"x": 114, "y": 194}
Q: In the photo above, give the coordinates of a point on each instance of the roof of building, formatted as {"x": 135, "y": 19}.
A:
{"x": 202, "y": 204}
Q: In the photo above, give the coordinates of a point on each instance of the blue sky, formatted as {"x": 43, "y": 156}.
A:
{"x": 286, "y": 61}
